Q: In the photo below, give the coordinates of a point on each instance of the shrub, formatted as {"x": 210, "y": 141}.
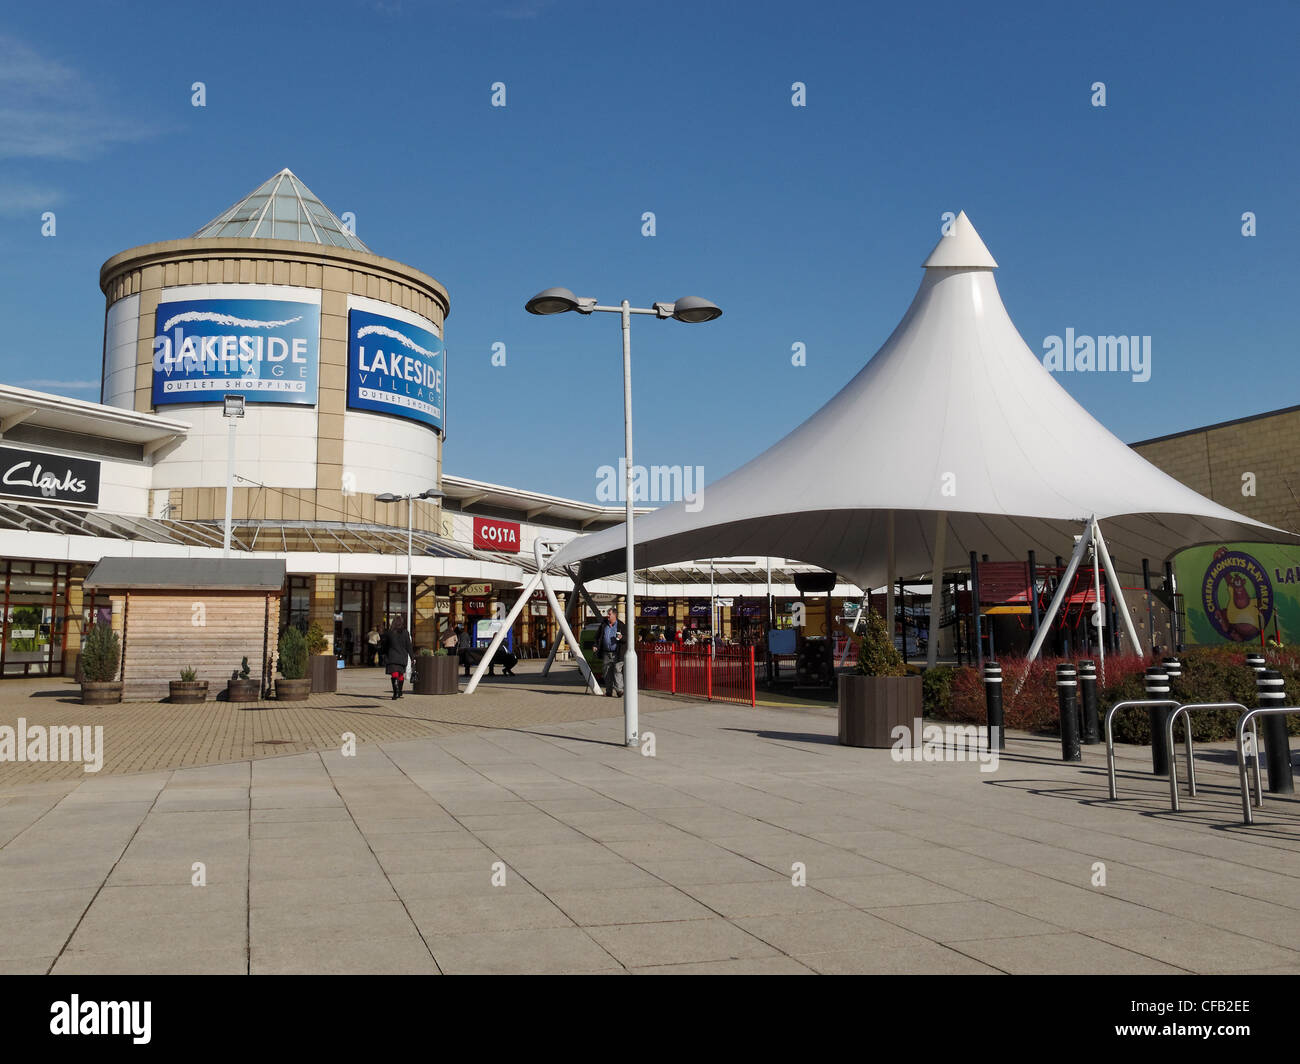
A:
{"x": 1209, "y": 674}
{"x": 877, "y": 655}
{"x": 293, "y": 654}
{"x": 243, "y": 668}
{"x": 101, "y": 655}
{"x": 316, "y": 639}
{"x": 188, "y": 674}
{"x": 936, "y": 690}
{"x": 425, "y": 652}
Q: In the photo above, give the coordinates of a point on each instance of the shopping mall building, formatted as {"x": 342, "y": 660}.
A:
{"x": 338, "y": 354}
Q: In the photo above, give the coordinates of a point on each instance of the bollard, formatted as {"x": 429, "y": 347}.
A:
{"x": 1271, "y": 691}
{"x": 1088, "y": 702}
{"x": 1157, "y": 684}
{"x": 993, "y": 700}
{"x": 1257, "y": 662}
{"x": 1066, "y": 687}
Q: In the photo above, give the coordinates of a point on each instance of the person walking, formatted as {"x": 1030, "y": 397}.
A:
{"x": 611, "y": 644}
{"x": 463, "y": 648}
{"x": 397, "y": 655}
{"x": 372, "y": 646}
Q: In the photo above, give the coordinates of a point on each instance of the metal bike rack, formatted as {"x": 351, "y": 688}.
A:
{"x": 1249, "y": 718}
{"x": 1110, "y": 736}
{"x": 1188, "y": 708}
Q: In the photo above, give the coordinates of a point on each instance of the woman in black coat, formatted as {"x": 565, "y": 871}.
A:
{"x": 398, "y": 652}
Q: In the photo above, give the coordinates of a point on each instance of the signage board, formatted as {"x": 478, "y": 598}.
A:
{"x": 395, "y": 368}
{"x": 471, "y": 589}
{"x": 1240, "y": 592}
{"x": 495, "y": 535}
{"x": 27, "y": 474}
{"x": 267, "y": 350}
{"x": 652, "y": 607}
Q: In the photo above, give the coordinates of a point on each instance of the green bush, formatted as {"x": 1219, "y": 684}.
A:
{"x": 936, "y": 690}
{"x": 101, "y": 655}
{"x": 243, "y": 668}
{"x": 188, "y": 674}
{"x": 315, "y": 640}
{"x": 293, "y": 654}
{"x": 877, "y": 655}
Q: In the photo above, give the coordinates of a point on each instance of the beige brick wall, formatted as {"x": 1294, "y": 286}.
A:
{"x": 1214, "y": 460}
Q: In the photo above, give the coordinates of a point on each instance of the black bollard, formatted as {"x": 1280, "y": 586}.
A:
{"x": 993, "y": 700}
{"x": 1271, "y": 691}
{"x": 1157, "y": 684}
{"x": 1066, "y": 687}
{"x": 1257, "y": 662}
{"x": 1088, "y": 702}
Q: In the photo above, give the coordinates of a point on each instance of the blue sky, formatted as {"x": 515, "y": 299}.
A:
{"x": 805, "y": 224}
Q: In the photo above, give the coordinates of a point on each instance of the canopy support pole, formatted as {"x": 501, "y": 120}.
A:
{"x": 1113, "y": 579}
{"x": 555, "y": 644}
{"x": 936, "y": 589}
{"x": 1095, "y": 534}
{"x": 853, "y": 628}
{"x": 891, "y": 577}
{"x": 587, "y": 674}
{"x": 1061, "y": 588}
{"x": 498, "y": 637}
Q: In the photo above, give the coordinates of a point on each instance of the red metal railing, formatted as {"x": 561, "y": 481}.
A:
{"x": 720, "y": 674}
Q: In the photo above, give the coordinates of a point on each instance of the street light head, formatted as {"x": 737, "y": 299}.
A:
{"x": 692, "y": 309}
{"x": 552, "y": 301}
{"x": 388, "y": 496}
{"x": 432, "y": 493}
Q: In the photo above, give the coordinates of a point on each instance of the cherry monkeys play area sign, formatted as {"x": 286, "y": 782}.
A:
{"x": 53, "y": 477}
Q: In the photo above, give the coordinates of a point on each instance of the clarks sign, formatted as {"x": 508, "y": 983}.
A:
{"x": 53, "y": 477}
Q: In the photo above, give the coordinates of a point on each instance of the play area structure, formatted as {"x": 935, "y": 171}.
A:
{"x": 1006, "y": 464}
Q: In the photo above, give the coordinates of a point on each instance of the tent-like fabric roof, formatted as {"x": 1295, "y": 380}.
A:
{"x": 953, "y": 415}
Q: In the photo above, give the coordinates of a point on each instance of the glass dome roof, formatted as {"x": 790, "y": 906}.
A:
{"x": 282, "y": 208}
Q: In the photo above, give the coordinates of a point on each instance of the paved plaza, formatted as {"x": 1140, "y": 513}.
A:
{"x": 511, "y": 832}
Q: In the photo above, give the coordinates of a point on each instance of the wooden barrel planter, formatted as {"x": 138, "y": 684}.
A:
{"x": 187, "y": 692}
{"x": 871, "y": 707}
{"x": 292, "y": 690}
{"x": 436, "y": 674}
{"x": 100, "y": 694}
{"x": 244, "y": 691}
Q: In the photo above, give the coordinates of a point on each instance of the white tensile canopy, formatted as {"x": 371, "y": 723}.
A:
{"x": 953, "y": 416}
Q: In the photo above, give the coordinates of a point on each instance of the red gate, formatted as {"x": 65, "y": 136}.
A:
{"x": 720, "y": 674}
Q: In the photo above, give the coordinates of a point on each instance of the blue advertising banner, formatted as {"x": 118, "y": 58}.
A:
{"x": 394, "y": 368}
{"x": 267, "y": 350}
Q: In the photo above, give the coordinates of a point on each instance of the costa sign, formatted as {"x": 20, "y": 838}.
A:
{"x": 34, "y": 475}
{"x": 496, "y": 535}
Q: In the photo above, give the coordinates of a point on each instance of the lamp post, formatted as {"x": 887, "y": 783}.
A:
{"x": 232, "y": 410}
{"x": 690, "y": 309}
{"x": 389, "y": 497}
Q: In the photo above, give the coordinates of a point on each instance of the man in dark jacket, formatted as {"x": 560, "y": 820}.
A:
{"x": 398, "y": 652}
{"x": 611, "y": 645}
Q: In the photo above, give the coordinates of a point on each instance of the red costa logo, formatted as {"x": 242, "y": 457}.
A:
{"x": 496, "y": 535}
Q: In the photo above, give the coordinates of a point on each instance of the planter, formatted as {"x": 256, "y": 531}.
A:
{"x": 244, "y": 691}
{"x": 100, "y": 694}
{"x": 187, "y": 692}
{"x": 437, "y": 675}
{"x": 323, "y": 671}
{"x": 293, "y": 690}
{"x": 872, "y": 706}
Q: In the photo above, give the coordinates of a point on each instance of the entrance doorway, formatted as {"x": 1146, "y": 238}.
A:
{"x": 354, "y": 607}
{"x": 34, "y": 618}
